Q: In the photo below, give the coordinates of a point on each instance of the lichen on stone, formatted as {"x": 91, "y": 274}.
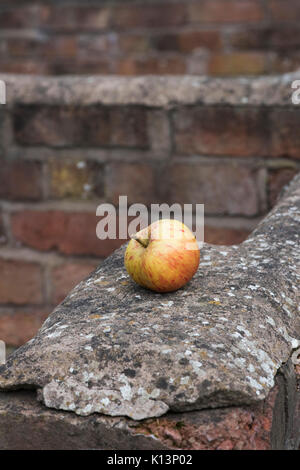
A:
{"x": 118, "y": 349}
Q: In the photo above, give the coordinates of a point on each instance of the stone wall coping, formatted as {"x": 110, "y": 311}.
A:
{"x": 117, "y": 349}
{"x": 152, "y": 91}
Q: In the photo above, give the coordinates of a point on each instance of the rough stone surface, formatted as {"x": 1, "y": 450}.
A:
{"x": 114, "y": 348}
{"x": 149, "y": 91}
{"x": 272, "y": 423}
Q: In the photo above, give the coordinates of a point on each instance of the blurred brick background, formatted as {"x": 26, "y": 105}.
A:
{"x": 131, "y": 37}
{"x": 57, "y": 162}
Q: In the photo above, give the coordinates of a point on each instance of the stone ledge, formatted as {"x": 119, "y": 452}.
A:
{"x": 114, "y": 348}
{"x": 271, "y": 424}
{"x": 152, "y": 91}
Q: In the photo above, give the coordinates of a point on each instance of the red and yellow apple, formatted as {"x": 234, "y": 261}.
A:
{"x": 163, "y": 256}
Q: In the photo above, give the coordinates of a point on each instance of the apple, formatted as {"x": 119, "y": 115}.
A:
{"x": 163, "y": 256}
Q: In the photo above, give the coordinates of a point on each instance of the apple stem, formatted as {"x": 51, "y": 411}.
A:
{"x": 143, "y": 242}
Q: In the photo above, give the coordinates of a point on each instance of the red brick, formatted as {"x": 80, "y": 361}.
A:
{"x": 223, "y": 189}
{"x": 40, "y": 46}
{"x": 237, "y": 427}
{"x": 277, "y": 179}
{"x": 96, "y": 45}
{"x": 159, "y": 132}
{"x": 284, "y": 61}
{"x": 22, "y": 46}
{"x": 188, "y": 41}
{"x": 128, "y": 127}
{"x": 20, "y": 17}
{"x": 224, "y": 235}
{"x": 20, "y": 179}
{"x": 67, "y": 276}
{"x": 165, "y": 42}
{"x": 60, "y": 46}
{"x": 21, "y": 282}
{"x": 248, "y": 38}
{"x": 19, "y": 327}
{"x": 148, "y": 16}
{"x": 92, "y": 126}
{"x": 24, "y": 65}
{"x": 285, "y": 37}
{"x": 197, "y": 62}
{"x": 159, "y": 65}
{"x": 92, "y": 17}
{"x": 75, "y": 179}
{"x": 134, "y": 180}
{"x": 221, "y": 130}
{"x": 284, "y": 11}
{"x": 66, "y": 232}
{"x": 134, "y": 43}
{"x": 238, "y": 63}
{"x": 285, "y": 132}
{"x": 74, "y": 18}
{"x": 277, "y": 37}
{"x": 61, "y": 126}
{"x": 82, "y": 65}
{"x": 225, "y": 11}
{"x": 3, "y": 238}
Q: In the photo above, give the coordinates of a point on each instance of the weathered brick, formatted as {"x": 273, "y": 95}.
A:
{"x": 147, "y": 65}
{"x": 60, "y": 46}
{"x": 92, "y": 17}
{"x": 285, "y": 37}
{"x": 60, "y": 126}
{"x": 238, "y": 63}
{"x": 283, "y": 11}
{"x": 84, "y": 64}
{"x": 66, "y": 232}
{"x": 67, "y": 276}
{"x": 92, "y": 126}
{"x": 223, "y": 189}
{"x": 277, "y": 179}
{"x": 187, "y": 41}
{"x": 18, "y": 328}
{"x": 74, "y": 18}
{"x": 75, "y": 179}
{"x": 281, "y": 37}
{"x": 20, "y": 179}
{"x": 284, "y": 61}
{"x": 96, "y": 45}
{"x": 159, "y": 132}
{"x": 165, "y": 42}
{"x": 21, "y": 17}
{"x": 24, "y": 65}
{"x": 225, "y": 11}
{"x": 221, "y": 130}
{"x": 134, "y": 43}
{"x": 134, "y": 180}
{"x": 148, "y": 16}
{"x": 248, "y": 38}
{"x": 190, "y": 40}
{"x": 285, "y": 132}
{"x": 197, "y": 62}
{"x": 19, "y": 46}
{"x": 41, "y": 46}
{"x": 224, "y": 235}
{"x": 21, "y": 282}
{"x": 3, "y": 238}
{"x": 128, "y": 127}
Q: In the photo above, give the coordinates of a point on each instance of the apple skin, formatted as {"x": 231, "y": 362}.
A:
{"x": 162, "y": 257}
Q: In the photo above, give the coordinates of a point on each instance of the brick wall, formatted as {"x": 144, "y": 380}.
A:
{"x": 68, "y": 144}
{"x": 135, "y": 37}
